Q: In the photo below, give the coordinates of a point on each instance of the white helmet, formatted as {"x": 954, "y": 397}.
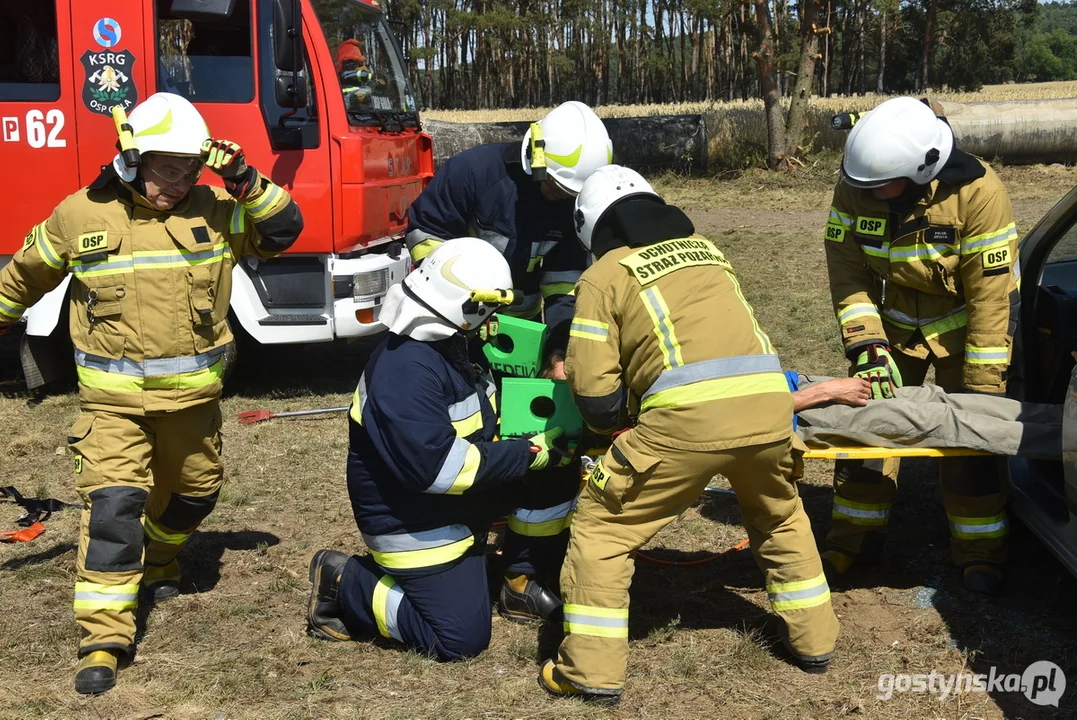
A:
{"x": 449, "y": 274}
{"x": 902, "y": 138}
{"x": 164, "y": 123}
{"x": 606, "y": 186}
{"x": 576, "y": 144}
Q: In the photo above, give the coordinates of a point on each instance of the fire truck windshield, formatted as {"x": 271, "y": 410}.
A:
{"x": 369, "y": 66}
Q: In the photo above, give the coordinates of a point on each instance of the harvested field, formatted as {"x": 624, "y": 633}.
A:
{"x": 232, "y": 645}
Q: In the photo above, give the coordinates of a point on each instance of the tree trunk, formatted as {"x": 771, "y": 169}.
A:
{"x": 809, "y": 55}
{"x": 882, "y": 51}
{"x": 861, "y": 49}
{"x": 929, "y": 45}
{"x": 768, "y": 83}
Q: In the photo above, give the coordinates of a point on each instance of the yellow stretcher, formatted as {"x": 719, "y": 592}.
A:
{"x": 862, "y": 452}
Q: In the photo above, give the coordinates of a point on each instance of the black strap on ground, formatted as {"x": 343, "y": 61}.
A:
{"x": 37, "y": 509}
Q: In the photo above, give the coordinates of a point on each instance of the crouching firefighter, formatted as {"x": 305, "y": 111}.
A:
{"x": 427, "y": 476}
{"x": 662, "y": 331}
{"x": 151, "y": 256}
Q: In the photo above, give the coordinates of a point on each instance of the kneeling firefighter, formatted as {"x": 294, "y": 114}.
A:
{"x": 151, "y": 255}
{"x": 662, "y": 331}
{"x": 427, "y": 476}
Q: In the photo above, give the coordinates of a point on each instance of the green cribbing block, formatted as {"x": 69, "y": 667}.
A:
{"x": 530, "y": 406}
{"x": 517, "y": 348}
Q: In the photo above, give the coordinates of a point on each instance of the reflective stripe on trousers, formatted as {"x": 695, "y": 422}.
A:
{"x": 386, "y": 604}
{"x": 596, "y": 621}
{"x": 408, "y": 551}
{"x": 542, "y": 523}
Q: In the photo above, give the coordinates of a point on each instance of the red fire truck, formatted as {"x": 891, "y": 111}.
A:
{"x": 316, "y": 92}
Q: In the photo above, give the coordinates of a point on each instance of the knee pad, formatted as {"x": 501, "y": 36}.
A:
{"x": 186, "y": 512}
{"x": 115, "y": 533}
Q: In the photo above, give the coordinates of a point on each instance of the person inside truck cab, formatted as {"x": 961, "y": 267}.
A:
{"x": 355, "y": 75}
{"x": 151, "y": 254}
{"x": 518, "y": 197}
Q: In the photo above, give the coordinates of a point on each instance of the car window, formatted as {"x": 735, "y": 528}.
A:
{"x": 29, "y": 54}
{"x": 1065, "y": 250}
{"x": 206, "y": 61}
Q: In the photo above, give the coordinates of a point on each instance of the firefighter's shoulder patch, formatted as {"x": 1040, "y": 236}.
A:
{"x": 92, "y": 242}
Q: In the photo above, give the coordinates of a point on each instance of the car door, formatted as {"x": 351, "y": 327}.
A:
{"x": 1043, "y": 494}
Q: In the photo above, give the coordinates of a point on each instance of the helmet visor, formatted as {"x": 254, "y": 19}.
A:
{"x": 863, "y": 184}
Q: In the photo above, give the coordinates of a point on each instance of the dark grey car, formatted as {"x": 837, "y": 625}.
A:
{"x": 1043, "y": 494}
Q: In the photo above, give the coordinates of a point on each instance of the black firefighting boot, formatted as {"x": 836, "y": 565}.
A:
{"x": 523, "y": 599}
{"x": 162, "y": 582}
{"x": 550, "y": 680}
{"x": 96, "y": 672}
{"x": 982, "y": 578}
{"x": 323, "y": 610}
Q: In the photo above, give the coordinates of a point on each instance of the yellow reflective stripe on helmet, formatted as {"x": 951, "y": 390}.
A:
{"x": 663, "y": 327}
{"x": 94, "y": 596}
{"x": 860, "y": 513}
{"x": 855, "y": 311}
{"x": 589, "y": 329}
{"x": 160, "y": 128}
{"x": 386, "y": 603}
{"x": 986, "y": 355}
{"x": 422, "y": 249}
{"x": 45, "y": 248}
{"x": 119, "y": 382}
{"x": 411, "y": 559}
{"x": 569, "y": 160}
{"x": 717, "y": 389}
{"x": 564, "y": 288}
{"x": 799, "y": 594}
{"x": 271, "y": 199}
{"x": 10, "y": 308}
{"x": 596, "y": 621}
{"x": 155, "y": 532}
{"x": 978, "y": 528}
{"x": 988, "y": 240}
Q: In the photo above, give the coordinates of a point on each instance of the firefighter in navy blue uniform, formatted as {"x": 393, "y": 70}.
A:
{"x": 518, "y": 197}
{"x": 427, "y": 476}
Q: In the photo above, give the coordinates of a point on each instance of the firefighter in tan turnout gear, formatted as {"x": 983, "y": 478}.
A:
{"x": 662, "y": 331}
{"x": 921, "y": 249}
{"x": 151, "y": 254}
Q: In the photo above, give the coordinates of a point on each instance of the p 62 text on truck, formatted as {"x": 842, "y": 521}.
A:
{"x": 317, "y": 93}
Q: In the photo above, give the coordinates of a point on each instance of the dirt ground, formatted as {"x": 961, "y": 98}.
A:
{"x": 233, "y": 644}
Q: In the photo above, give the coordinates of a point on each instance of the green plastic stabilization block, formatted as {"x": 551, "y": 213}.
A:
{"x": 517, "y": 348}
{"x": 530, "y": 406}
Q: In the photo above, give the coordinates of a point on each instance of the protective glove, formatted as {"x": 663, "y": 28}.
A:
{"x": 227, "y": 159}
{"x": 488, "y": 329}
{"x": 876, "y": 365}
{"x": 545, "y": 453}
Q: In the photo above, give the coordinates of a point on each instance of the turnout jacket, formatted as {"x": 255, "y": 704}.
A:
{"x": 484, "y": 192}
{"x": 422, "y": 452}
{"x": 664, "y": 330}
{"x": 940, "y": 278}
{"x": 150, "y": 289}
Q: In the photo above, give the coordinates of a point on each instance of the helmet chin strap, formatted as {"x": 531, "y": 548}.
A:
{"x": 411, "y": 294}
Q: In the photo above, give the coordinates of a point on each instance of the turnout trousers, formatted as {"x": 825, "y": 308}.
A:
{"x": 445, "y": 609}
{"x": 637, "y": 489}
{"x": 146, "y": 483}
{"x": 972, "y": 491}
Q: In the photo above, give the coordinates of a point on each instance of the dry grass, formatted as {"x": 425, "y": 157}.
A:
{"x": 232, "y": 646}
{"x": 737, "y": 130}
